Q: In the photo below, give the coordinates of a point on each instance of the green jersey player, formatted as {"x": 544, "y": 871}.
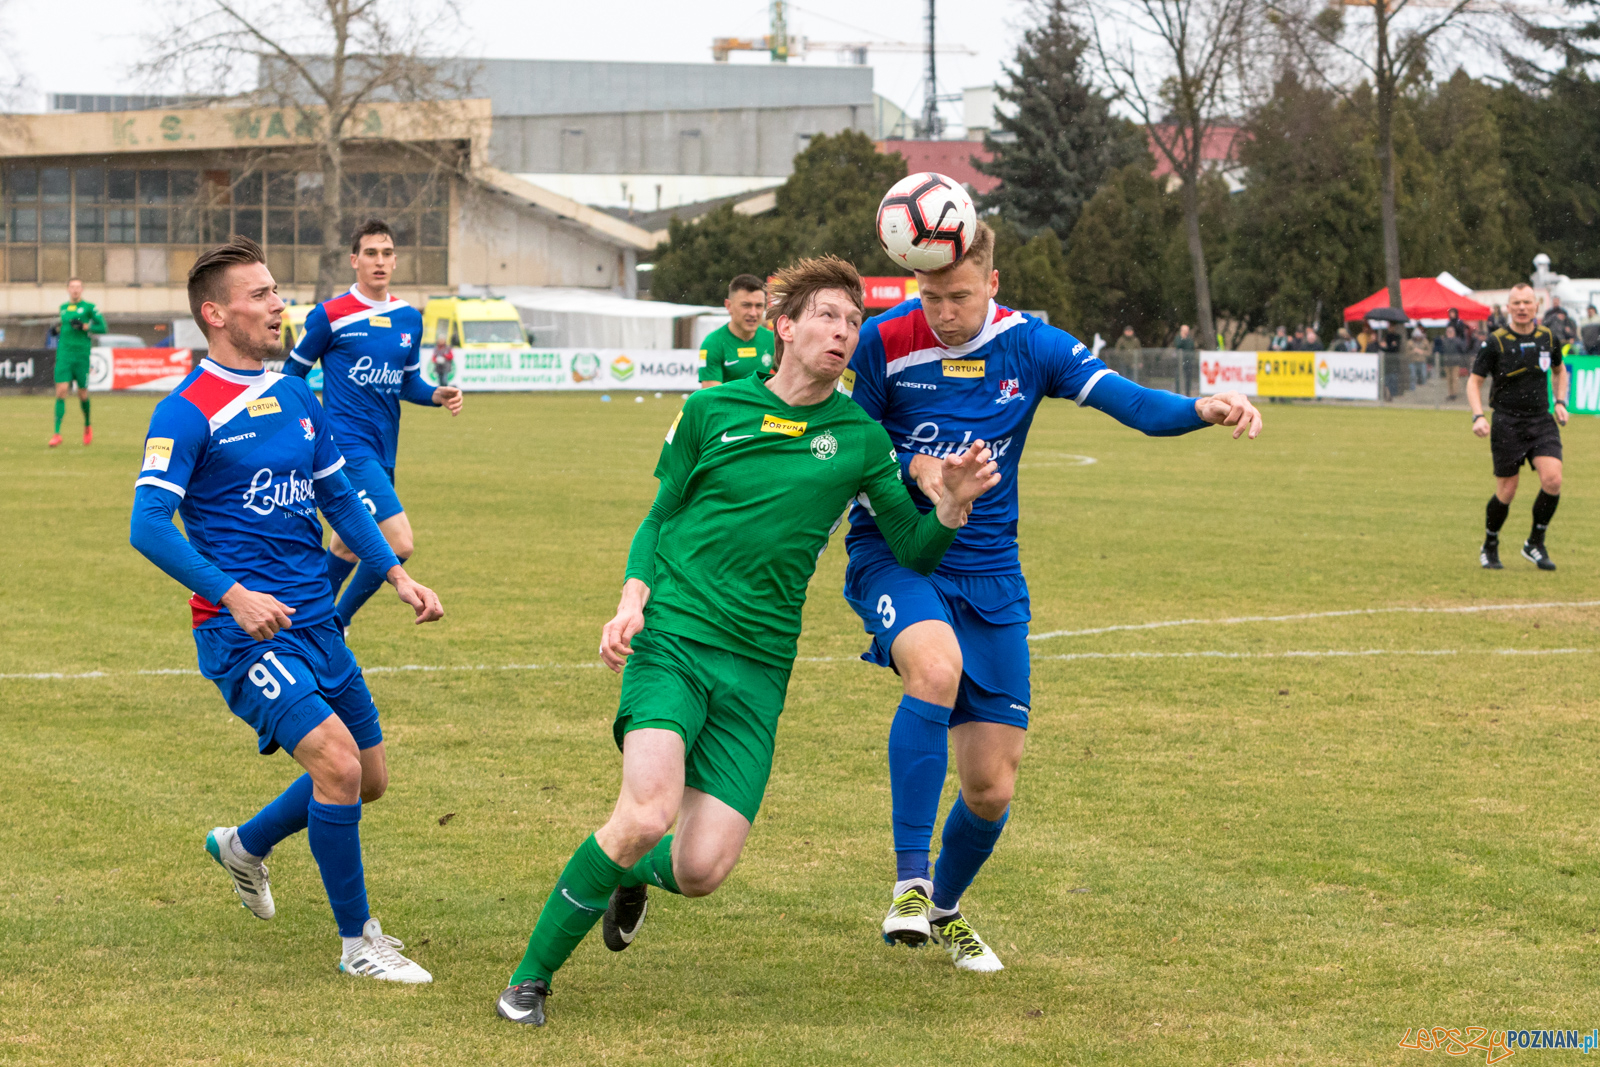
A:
{"x": 743, "y": 347}
{"x": 754, "y": 476}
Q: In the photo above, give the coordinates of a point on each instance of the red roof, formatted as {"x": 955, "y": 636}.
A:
{"x": 953, "y": 158}
{"x": 1220, "y": 145}
{"x": 1421, "y": 298}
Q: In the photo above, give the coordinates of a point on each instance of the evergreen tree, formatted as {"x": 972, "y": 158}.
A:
{"x": 1063, "y": 140}
{"x": 1033, "y": 274}
{"x": 1115, "y": 257}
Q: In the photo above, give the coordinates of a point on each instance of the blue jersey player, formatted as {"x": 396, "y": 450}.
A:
{"x": 937, "y": 372}
{"x": 370, "y": 344}
{"x": 246, "y": 457}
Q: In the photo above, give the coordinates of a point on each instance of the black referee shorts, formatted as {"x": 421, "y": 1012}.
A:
{"x": 1515, "y": 439}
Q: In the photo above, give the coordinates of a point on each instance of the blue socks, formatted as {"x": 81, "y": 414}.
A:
{"x": 968, "y": 840}
{"x": 366, "y": 582}
{"x": 919, "y": 754}
{"x": 335, "y": 833}
{"x": 285, "y": 816}
{"x": 338, "y": 570}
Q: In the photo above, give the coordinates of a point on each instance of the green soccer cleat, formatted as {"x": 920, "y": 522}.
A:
{"x": 966, "y": 948}
{"x": 907, "y": 921}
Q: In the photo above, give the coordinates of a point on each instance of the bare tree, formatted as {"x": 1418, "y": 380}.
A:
{"x": 1179, "y": 66}
{"x": 1388, "y": 54}
{"x": 324, "y": 61}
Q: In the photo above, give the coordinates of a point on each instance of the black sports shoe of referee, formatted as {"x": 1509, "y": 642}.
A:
{"x": 1520, "y": 358}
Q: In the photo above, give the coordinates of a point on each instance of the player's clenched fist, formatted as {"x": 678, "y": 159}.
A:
{"x": 616, "y": 636}
{"x": 260, "y": 615}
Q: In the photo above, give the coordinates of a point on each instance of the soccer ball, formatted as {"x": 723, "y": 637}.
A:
{"x": 926, "y": 221}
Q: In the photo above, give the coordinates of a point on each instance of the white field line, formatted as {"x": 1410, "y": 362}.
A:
{"x": 1331, "y": 653}
{"x": 1470, "y": 609}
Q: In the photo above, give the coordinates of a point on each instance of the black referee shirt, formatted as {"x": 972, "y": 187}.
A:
{"x": 1520, "y": 364}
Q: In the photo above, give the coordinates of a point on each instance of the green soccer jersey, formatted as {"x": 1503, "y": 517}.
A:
{"x": 750, "y": 490}
{"x": 78, "y": 320}
{"x": 725, "y": 358}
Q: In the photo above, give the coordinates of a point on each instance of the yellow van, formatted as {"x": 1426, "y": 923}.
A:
{"x": 468, "y": 322}
{"x": 294, "y": 324}
{"x": 482, "y": 345}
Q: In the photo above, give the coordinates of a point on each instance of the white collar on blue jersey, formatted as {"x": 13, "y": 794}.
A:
{"x": 991, "y": 328}
{"x": 238, "y": 377}
{"x": 355, "y": 291}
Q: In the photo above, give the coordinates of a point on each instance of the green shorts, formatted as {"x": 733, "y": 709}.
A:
{"x": 725, "y": 707}
{"x": 73, "y": 369}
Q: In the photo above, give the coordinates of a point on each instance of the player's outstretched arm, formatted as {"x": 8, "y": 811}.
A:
{"x": 616, "y": 637}
{"x": 1230, "y": 409}
{"x": 919, "y": 540}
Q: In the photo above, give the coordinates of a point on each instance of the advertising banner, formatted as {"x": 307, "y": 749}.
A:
{"x": 1584, "y": 390}
{"x": 1347, "y": 375}
{"x": 1228, "y": 372}
{"x": 156, "y": 370}
{"x": 514, "y": 368}
{"x": 887, "y": 292}
{"x": 1286, "y": 374}
{"x": 27, "y": 368}
{"x": 1327, "y": 375}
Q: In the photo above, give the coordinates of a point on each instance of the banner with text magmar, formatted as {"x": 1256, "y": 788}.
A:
{"x": 520, "y": 368}
{"x": 1325, "y": 375}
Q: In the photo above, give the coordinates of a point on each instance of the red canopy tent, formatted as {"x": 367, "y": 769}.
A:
{"x": 1422, "y": 298}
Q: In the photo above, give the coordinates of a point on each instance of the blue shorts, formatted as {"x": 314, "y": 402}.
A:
{"x": 275, "y": 685}
{"x": 989, "y": 614}
{"x": 374, "y": 484}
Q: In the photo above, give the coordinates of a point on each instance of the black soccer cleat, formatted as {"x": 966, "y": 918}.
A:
{"x": 523, "y": 1003}
{"x": 1534, "y": 553}
{"x": 1489, "y": 556}
{"x": 624, "y": 916}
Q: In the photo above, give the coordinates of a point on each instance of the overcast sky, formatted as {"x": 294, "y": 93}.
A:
{"x": 92, "y": 50}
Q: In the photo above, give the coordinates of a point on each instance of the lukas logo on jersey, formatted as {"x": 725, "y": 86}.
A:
{"x": 925, "y": 439}
{"x": 362, "y": 372}
{"x": 293, "y": 493}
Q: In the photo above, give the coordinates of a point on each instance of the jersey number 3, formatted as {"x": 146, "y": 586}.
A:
{"x": 264, "y": 679}
{"x": 886, "y": 611}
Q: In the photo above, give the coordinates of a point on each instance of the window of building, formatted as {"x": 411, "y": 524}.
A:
{"x": 127, "y": 225}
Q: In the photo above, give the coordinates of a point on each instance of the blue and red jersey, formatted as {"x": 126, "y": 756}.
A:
{"x": 371, "y": 360}
{"x": 243, "y": 451}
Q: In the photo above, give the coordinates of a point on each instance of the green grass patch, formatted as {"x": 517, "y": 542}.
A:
{"x": 1247, "y": 857}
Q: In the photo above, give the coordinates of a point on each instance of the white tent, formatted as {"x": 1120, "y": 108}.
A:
{"x": 589, "y": 318}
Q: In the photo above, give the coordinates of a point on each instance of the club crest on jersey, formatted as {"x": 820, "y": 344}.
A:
{"x": 824, "y": 446}
{"x": 405, "y": 340}
{"x": 1010, "y": 389}
{"x": 311, "y": 431}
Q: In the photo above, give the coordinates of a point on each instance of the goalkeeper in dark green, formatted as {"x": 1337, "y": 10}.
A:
{"x": 754, "y": 477}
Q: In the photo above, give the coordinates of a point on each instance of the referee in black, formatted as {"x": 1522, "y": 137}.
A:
{"x": 1519, "y": 357}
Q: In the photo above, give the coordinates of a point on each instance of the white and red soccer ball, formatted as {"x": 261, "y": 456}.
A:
{"x": 926, "y": 221}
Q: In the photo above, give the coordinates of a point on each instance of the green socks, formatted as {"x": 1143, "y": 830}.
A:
{"x": 655, "y": 868}
{"x": 61, "y": 410}
{"x": 85, "y": 405}
{"x": 577, "y": 902}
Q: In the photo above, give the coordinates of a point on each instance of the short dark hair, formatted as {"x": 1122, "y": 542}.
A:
{"x": 746, "y": 283}
{"x": 207, "y": 274}
{"x": 370, "y": 228}
{"x": 799, "y": 283}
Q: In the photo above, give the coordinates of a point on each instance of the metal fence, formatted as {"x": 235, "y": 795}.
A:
{"x": 1159, "y": 368}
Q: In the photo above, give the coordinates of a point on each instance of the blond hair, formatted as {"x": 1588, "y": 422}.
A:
{"x": 979, "y": 251}
{"x": 797, "y": 285}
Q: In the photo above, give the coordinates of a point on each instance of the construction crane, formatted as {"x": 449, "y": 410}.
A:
{"x": 780, "y": 46}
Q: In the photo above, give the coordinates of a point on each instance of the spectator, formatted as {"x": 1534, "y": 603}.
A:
{"x": 1184, "y": 348}
{"x": 1456, "y": 323}
{"x": 1418, "y": 349}
{"x": 1128, "y": 346}
{"x": 1365, "y": 339}
{"x": 1343, "y": 342}
{"x": 1280, "y": 340}
{"x": 1497, "y": 319}
{"x": 1128, "y": 342}
{"x": 1389, "y": 343}
{"x": 1454, "y": 351}
{"x": 1559, "y": 321}
{"x": 1184, "y": 342}
{"x": 1311, "y": 341}
{"x": 1298, "y": 342}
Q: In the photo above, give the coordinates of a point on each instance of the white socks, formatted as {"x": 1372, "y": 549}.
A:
{"x": 907, "y": 883}
{"x": 352, "y": 944}
{"x": 238, "y": 850}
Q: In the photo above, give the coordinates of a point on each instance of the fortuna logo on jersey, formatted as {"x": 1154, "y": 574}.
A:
{"x": 1010, "y": 389}
{"x": 263, "y": 496}
{"x": 362, "y": 372}
{"x": 311, "y": 431}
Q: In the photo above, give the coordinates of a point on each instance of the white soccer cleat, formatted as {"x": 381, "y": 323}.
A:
{"x": 378, "y": 956}
{"x": 249, "y": 879}
{"x": 967, "y": 950}
{"x": 907, "y": 921}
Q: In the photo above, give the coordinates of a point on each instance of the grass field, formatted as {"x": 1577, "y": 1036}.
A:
{"x": 1252, "y": 858}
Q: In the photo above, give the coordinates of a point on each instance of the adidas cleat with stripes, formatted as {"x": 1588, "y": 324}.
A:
{"x": 966, "y": 948}
{"x": 249, "y": 879}
{"x": 624, "y": 915}
{"x": 378, "y": 956}
{"x": 907, "y": 921}
{"x": 1533, "y": 552}
{"x": 523, "y": 1003}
